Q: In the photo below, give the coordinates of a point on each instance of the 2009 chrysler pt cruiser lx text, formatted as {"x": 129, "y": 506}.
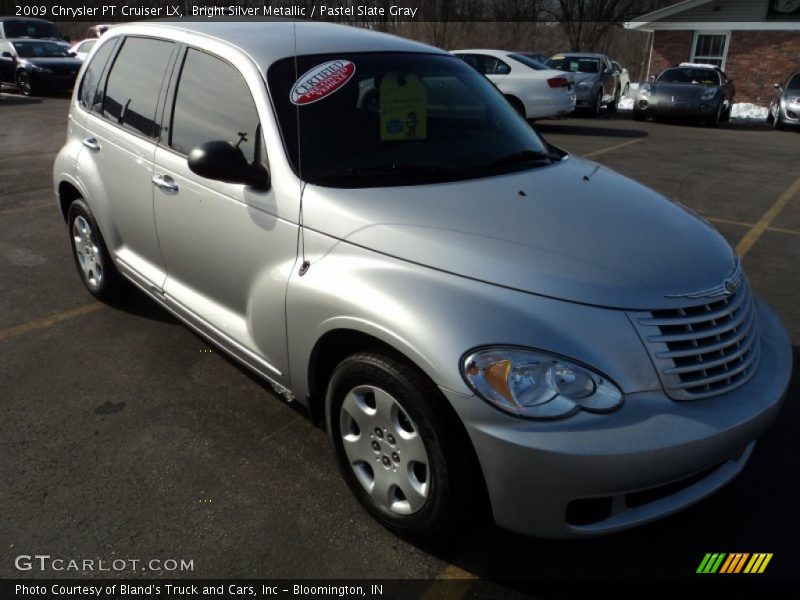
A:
{"x": 480, "y": 318}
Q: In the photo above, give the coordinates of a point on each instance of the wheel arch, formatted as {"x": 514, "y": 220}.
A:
{"x": 67, "y": 194}
{"x": 337, "y": 344}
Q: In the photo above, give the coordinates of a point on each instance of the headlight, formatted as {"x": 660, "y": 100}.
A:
{"x": 537, "y": 385}
{"x": 708, "y": 94}
{"x": 646, "y": 90}
{"x": 794, "y": 100}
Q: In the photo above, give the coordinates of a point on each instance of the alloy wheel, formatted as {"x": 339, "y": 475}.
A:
{"x": 88, "y": 252}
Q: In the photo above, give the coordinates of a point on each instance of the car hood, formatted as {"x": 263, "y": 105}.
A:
{"x": 573, "y": 230}
{"x": 687, "y": 91}
{"x": 56, "y": 64}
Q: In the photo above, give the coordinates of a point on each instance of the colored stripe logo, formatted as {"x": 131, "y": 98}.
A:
{"x": 735, "y": 562}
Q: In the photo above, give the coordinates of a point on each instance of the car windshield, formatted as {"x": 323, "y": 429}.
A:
{"x": 529, "y": 62}
{"x": 32, "y": 29}
{"x": 575, "y": 64}
{"x": 794, "y": 83}
{"x": 387, "y": 119}
{"x": 40, "y": 50}
{"x": 689, "y": 75}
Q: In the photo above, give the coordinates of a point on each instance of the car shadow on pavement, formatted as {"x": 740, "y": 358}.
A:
{"x": 553, "y": 126}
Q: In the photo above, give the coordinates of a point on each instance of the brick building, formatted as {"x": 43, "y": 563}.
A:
{"x": 756, "y": 42}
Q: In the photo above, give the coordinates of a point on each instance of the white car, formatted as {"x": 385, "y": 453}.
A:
{"x": 82, "y": 48}
{"x": 534, "y": 90}
{"x": 624, "y": 78}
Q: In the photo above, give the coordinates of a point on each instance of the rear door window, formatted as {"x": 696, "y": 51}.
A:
{"x": 213, "y": 103}
{"x": 134, "y": 84}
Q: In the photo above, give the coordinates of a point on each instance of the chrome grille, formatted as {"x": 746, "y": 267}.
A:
{"x": 703, "y": 350}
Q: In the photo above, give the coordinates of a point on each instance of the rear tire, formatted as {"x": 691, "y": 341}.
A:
{"x": 92, "y": 259}
{"x": 399, "y": 447}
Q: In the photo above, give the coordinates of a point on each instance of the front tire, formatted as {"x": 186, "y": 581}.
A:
{"x": 92, "y": 259}
{"x": 24, "y": 83}
{"x": 398, "y": 447}
{"x": 718, "y": 117}
{"x": 597, "y": 107}
{"x": 614, "y": 104}
{"x": 777, "y": 121}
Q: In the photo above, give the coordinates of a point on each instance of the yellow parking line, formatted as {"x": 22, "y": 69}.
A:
{"x": 48, "y": 321}
{"x": 749, "y": 225}
{"x": 610, "y": 148}
{"x": 751, "y": 237}
{"x": 451, "y": 584}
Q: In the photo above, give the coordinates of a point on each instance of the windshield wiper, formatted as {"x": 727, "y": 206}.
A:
{"x": 524, "y": 157}
{"x": 384, "y": 170}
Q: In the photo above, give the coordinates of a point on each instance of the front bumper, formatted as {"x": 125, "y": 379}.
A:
{"x": 585, "y": 96}
{"x": 53, "y": 82}
{"x": 665, "y": 108}
{"x": 591, "y": 474}
{"x": 791, "y": 113}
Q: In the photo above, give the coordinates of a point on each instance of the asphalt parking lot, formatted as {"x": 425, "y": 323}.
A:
{"x": 122, "y": 434}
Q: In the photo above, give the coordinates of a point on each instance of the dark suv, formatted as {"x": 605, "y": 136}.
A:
{"x": 28, "y": 27}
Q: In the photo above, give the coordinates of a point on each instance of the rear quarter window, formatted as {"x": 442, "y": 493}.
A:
{"x": 93, "y": 73}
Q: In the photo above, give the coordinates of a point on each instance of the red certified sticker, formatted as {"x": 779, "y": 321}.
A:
{"x": 321, "y": 81}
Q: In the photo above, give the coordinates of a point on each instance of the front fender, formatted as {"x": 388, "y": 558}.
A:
{"x": 434, "y": 317}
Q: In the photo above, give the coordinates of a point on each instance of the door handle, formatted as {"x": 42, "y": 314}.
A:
{"x": 166, "y": 183}
{"x": 91, "y": 144}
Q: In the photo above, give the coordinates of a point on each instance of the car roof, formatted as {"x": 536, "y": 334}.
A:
{"x": 31, "y": 40}
{"x": 583, "y": 54}
{"x": 271, "y": 40}
{"x": 483, "y": 51}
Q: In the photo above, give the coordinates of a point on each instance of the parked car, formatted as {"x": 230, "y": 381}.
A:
{"x": 28, "y": 27}
{"x": 81, "y": 49}
{"x": 624, "y": 77}
{"x": 37, "y": 66}
{"x": 689, "y": 91}
{"x": 369, "y": 226}
{"x": 784, "y": 108}
{"x": 534, "y": 90}
{"x": 596, "y": 82}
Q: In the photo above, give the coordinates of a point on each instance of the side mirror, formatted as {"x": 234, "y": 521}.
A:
{"x": 652, "y": 77}
{"x": 777, "y": 86}
{"x": 11, "y": 56}
{"x": 222, "y": 161}
{"x": 73, "y": 54}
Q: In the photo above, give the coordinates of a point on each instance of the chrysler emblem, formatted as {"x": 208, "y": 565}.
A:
{"x": 728, "y": 287}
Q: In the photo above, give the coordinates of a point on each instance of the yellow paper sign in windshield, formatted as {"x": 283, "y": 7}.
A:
{"x": 404, "y": 107}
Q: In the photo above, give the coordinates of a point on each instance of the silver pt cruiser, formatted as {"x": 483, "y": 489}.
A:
{"x": 479, "y": 318}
